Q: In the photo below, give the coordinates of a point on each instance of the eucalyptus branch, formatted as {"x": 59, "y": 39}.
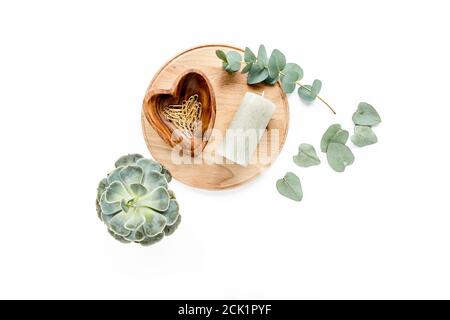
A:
{"x": 318, "y": 97}
{"x": 260, "y": 68}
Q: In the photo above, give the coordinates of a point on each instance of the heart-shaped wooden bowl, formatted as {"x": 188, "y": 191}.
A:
{"x": 191, "y": 82}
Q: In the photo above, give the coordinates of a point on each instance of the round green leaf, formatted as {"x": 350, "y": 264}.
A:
{"x": 262, "y": 56}
{"x": 277, "y": 62}
{"x": 306, "y": 156}
{"x": 364, "y": 136}
{"x": 334, "y": 133}
{"x": 257, "y": 74}
{"x": 309, "y": 93}
{"x": 288, "y": 82}
{"x": 249, "y": 56}
{"x": 270, "y": 80}
{"x": 234, "y": 61}
{"x": 339, "y": 156}
{"x": 290, "y": 187}
{"x": 366, "y": 115}
{"x": 340, "y": 137}
{"x": 221, "y": 55}
{"x": 293, "y": 67}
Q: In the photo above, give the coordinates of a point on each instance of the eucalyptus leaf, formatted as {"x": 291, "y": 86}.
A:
{"x": 364, "y": 136}
{"x": 232, "y": 68}
{"x": 247, "y": 68}
{"x": 234, "y": 61}
{"x": 340, "y": 137}
{"x": 309, "y": 93}
{"x": 334, "y": 133}
{"x": 270, "y": 80}
{"x": 262, "y": 56}
{"x": 339, "y": 156}
{"x": 277, "y": 62}
{"x": 366, "y": 115}
{"x": 249, "y": 56}
{"x": 290, "y": 187}
{"x": 221, "y": 55}
{"x": 306, "y": 156}
{"x": 257, "y": 74}
{"x": 293, "y": 67}
{"x": 288, "y": 82}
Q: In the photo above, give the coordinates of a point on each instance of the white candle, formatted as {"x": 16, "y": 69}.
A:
{"x": 246, "y": 129}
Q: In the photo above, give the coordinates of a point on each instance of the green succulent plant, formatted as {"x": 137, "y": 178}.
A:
{"x": 135, "y": 203}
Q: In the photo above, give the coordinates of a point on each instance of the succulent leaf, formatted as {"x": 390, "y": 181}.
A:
{"x": 101, "y": 188}
{"x": 154, "y": 239}
{"x": 171, "y": 214}
{"x": 169, "y": 229}
{"x": 114, "y": 175}
{"x": 117, "y": 237}
{"x": 109, "y": 208}
{"x": 154, "y": 222}
{"x": 136, "y": 235}
{"x": 149, "y": 165}
{"x": 117, "y": 224}
{"x": 138, "y": 189}
{"x": 157, "y": 199}
{"x": 127, "y": 160}
{"x": 135, "y": 220}
{"x": 166, "y": 174}
{"x": 116, "y": 192}
{"x": 153, "y": 180}
{"x": 131, "y": 174}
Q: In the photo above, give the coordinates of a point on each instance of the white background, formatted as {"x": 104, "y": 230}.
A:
{"x": 72, "y": 79}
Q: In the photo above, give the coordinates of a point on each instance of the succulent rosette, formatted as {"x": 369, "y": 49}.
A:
{"x": 135, "y": 203}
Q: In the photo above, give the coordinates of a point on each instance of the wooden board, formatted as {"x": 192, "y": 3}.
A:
{"x": 208, "y": 171}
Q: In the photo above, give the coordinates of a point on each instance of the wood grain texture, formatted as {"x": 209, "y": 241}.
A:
{"x": 208, "y": 170}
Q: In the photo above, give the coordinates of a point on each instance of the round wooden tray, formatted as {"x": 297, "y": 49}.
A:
{"x": 205, "y": 171}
